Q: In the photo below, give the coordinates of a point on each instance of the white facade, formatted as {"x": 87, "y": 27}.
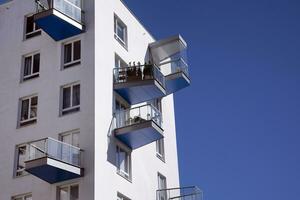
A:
{"x": 99, "y": 47}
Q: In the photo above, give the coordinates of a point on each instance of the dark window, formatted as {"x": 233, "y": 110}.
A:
{"x": 28, "y": 110}
{"x": 70, "y": 99}
{"x": 31, "y": 66}
{"x": 32, "y": 29}
{"x": 72, "y": 54}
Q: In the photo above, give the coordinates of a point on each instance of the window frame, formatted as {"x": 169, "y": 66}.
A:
{"x": 69, "y": 190}
{"x": 17, "y": 159}
{"x": 71, "y": 109}
{"x": 22, "y": 196}
{"x": 72, "y": 133}
{"x": 37, "y": 31}
{"x": 29, "y": 121}
{"x": 32, "y": 75}
{"x": 121, "y": 196}
{"x": 160, "y": 149}
{"x": 164, "y": 178}
{"x": 119, "y": 23}
{"x": 121, "y": 172}
{"x": 66, "y": 65}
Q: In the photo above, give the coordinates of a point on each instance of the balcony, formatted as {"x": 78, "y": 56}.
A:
{"x": 138, "y": 84}
{"x": 60, "y": 19}
{"x": 170, "y": 55}
{"x": 53, "y": 161}
{"x": 184, "y": 193}
{"x": 138, "y": 126}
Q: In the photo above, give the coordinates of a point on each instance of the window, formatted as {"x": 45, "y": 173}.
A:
{"x": 162, "y": 185}
{"x": 157, "y": 104}
{"x": 120, "y": 32}
{"x": 31, "y": 66}
{"x": 20, "y": 160}
{"x": 123, "y": 163}
{"x": 28, "y": 114}
{"x": 119, "y": 62}
{"x": 69, "y": 192}
{"x": 23, "y": 197}
{"x": 160, "y": 149}
{"x": 70, "y": 98}
{"x": 71, "y": 137}
{"x": 122, "y": 197}
{"x": 72, "y": 53}
{"x": 31, "y": 29}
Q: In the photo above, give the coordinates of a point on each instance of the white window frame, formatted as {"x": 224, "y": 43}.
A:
{"x": 121, "y": 196}
{"x": 32, "y": 75}
{"x": 17, "y": 157}
{"x": 34, "y": 119}
{"x": 121, "y": 172}
{"x": 72, "y": 62}
{"x": 160, "y": 177}
{"x": 160, "y": 149}
{"x": 69, "y": 190}
{"x": 119, "y": 23}
{"x": 22, "y": 196}
{"x": 34, "y": 29}
{"x": 71, "y": 85}
{"x": 71, "y": 133}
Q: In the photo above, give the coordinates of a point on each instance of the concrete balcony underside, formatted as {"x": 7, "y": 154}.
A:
{"x": 138, "y": 135}
{"x": 58, "y": 25}
{"x": 52, "y": 170}
{"x": 176, "y": 82}
{"x": 140, "y": 91}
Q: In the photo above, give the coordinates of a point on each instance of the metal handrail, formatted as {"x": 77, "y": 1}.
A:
{"x": 180, "y": 193}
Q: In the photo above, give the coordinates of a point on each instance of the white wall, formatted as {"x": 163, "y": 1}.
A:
{"x": 145, "y": 164}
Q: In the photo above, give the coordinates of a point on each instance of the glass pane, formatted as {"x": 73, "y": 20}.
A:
{"x": 67, "y": 138}
{"x": 21, "y": 157}
{"x": 67, "y": 53}
{"x": 75, "y": 141}
{"x": 121, "y": 32}
{"x": 74, "y": 192}
{"x": 27, "y": 66}
{"x": 66, "y": 97}
{"x": 36, "y": 63}
{"x": 24, "y": 109}
{"x": 77, "y": 50}
{"x": 29, "y": 24}
{"x": 76, "y": 95}
{"x": 63, "y": 193}
{"x": 33, "y": 108}
{"x": 28, "y": 197}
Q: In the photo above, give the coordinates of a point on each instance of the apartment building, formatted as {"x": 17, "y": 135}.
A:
{"x": 86, "y": 103}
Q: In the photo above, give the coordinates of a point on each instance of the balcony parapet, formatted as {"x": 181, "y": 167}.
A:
{"x": 183, "y": 193}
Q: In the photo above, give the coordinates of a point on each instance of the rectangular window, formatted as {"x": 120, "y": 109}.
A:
{"x": 28, "y": 110}
{"x": 68, "y": 192}
{"x": 31, "y": 29}
{"x": 22, "y": 197}
{"x": 122, "y": 197}
{"x": 72, "y": 53}
{"x": 123, "y": 159}
{"x": 162, "y": 186}
{"x": 120, "y": 31}
{"x": 21, "y": 153}
{"x": 71, "y": 137}
{"x": 70, "y": 98}
{"x": 31, "y": 66}
{"x": 160, "y": 149}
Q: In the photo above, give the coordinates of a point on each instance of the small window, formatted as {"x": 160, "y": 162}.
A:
{"x": 123, "y": 159}
{"x": 122, "y": 197}
{"x": 22, "y": 197}
{"x": 160, "y": 149}
{"x": 28, "y": 113}
{"x": 68, "y": 192}
{"x": 162, "y": 186}
{"x": 21, "y": 153}
{"x": 72, "y": 53}
{"x": 71, "y": 137}
{"x": 70, "y": 98}
{"x": 120, "y": 31}
{"x": 31, "y": 29}
{"x": 31, "y": 66}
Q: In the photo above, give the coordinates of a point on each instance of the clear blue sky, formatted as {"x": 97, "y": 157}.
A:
{"x": 238, "y": 125}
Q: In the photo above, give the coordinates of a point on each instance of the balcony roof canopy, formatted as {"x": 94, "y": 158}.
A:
{"x": 166, "y": 48}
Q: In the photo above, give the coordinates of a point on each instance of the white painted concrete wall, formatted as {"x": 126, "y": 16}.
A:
{"x": 95, "y": 75}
